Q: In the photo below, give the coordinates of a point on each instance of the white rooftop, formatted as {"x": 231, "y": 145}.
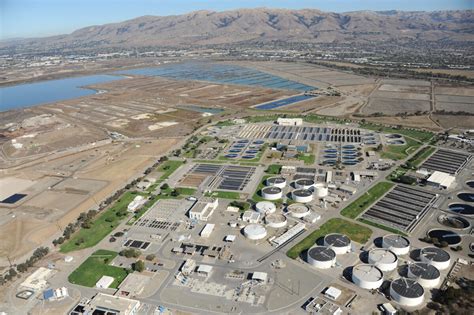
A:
{"x": 441, "y": 179}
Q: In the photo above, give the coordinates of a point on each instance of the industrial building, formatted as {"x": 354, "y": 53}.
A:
{"x": 250, "y": 216}
{"x": 104, "y": 282}
{"x": 289, "y": 121}
{"x": 293, "y": 232}
{"x": 136, "y": 203}
{"x": 441, "y": 180}
{"x": 203, "y": 209}
{"x": 107, "y": 304}
{"x": 207, "y": 230}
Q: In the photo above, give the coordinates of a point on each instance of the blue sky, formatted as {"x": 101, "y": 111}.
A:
{"x": 30, "y": 18}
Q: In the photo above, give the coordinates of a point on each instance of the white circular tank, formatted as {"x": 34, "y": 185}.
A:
{"x": 276, "y": 181}
{"x": 407, "y": 292}
{"x": 425, "y": 274}
{"x": 435, "y": 256}
{"x": 265, "y": 207}
{"x": 298, "y": 210}
{"x": 321, "y": 257}
{"x": 339, "y": 243}
{"x": 304, "y": 183}
{"x": 321, "y": 190}
{"x": 368, "y": 277}
{"x": 275, "y": 220}
{"x": 384, "y": 259}
{"x": 398, "y": 244}
{"x": 302, "y": 195}
{"x": 272, "y": 193}
{"x": 255, "y": 232}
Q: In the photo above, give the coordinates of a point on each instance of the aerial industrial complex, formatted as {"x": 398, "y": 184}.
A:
{"x": 253, "y": 209}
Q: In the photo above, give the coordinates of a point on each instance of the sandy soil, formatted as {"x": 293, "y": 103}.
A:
{"x": 131, "y": 159}
{"x": 410, "y": 121}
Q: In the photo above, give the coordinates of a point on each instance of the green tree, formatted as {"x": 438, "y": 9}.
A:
{"x": 139, "y": 266}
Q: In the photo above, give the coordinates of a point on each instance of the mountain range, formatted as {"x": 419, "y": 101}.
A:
{"x": 266, "y": 25}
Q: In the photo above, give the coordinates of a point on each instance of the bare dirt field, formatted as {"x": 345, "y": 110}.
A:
{"x": 450, "y": 121}
{"x": 395, "y": 106}
{"x": 61, "y": 205}
{"x": 410, "y": 121}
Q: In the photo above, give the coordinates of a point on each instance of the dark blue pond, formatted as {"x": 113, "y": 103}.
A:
{"x": 284, "y": 102}
{"x": 32, "y": 94}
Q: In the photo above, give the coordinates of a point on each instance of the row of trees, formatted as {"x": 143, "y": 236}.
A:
{"x": 15, "y": 271}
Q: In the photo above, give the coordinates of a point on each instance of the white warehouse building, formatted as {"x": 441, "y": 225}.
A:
{"x": 203, "y": 209}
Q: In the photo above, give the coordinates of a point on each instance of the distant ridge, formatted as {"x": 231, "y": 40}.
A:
{"x": 265, "y": 25}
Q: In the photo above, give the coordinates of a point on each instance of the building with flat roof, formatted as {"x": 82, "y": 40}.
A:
{"x": 37, "y": 280}
{"x": 207, "y": 230}
{"x": 251, "y": 216}
{"x": 133, "y": 285}
{"x": 441, "y": 180}
{"x": 110, "y": 305}
{"x": 104, "y": 282}
{"x": 136, "y": 204}
{"x": 203, "y": 209}
{"x": 260, "y": 276}
{"x": 290, "y": 121}
{"x": 204, "y": 270}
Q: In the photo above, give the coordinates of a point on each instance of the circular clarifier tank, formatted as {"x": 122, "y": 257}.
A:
{"x": 348, "y": 146}
{"x": 279, "y": 182}
{"x": 298, "y": 210}
{"x": 272, "y": 193}
{"x": 368, "y": 277}
{"x": 235, "y": 150}
{"x": 450, "y": 237}
{"x": 304, "y": 183}
{"x": 255, "y": 232}
{"x": 251, "y": 151}
{"x": 407, "y": 292}
{"x": 349, "y": 162}
{"x": 330, "y": 162}
{"x": 461, "y": 208}
{"x": 258, "y": 142}
{"x": 275, "y": 220}
{"x": 383, "y": 258}
{"x": 321, "y": 257}
{"x": 349, "y": 152}
{"x": 330, "y": 151}
{"x": 425, "y": 274}
{"x": 330, "y": 156}
{"x": 466, "y": 196}
{"x": 231, "y": 156}
{"x": 302, "y": 195}
{"x": 248, "y": 156}
{"x": 265, "y": 207}
{"x": 435, "y": 256}
{"x": 239, "y": 145}
{"x": 454, "y": 222}
{"x": 243, "y": 141}
{"x": 394, "y": 136}
{"x": 398, "y": 244}
{"x": 470, "y": 183}
{"x": 340, "y": 243}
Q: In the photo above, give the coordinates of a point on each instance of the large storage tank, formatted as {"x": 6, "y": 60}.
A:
{"x": 321, "y": 257}
{"x": 304, "y": 183}
{"x": 425, "y": 274}
{"x": 321, "y": 190}
{"x": 265, "y": 207}
{"x": 368, "y": 277}
{"x": 398, "y": 244}
{"x": 298, "y": 210}
{"x": 275, "y": 220}
{"x": 255, "y": 232}
{"x": 302, "y": 195}
{"x": 385, "y": 259}
{"x": 406, "y": 292}
{"x": 339, "y": 243}
{"x": 272, "y": 193}
{"x": 435, "y": 256}
{"x": 279, "y": 182}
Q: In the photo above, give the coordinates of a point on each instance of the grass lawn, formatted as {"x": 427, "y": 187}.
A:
{"x": 224, "y": 195}
{"x": 366, "y": 200}
{"x": 102, "y": 225}
{"x": 356, "y": 232}
{"x": 383, "y": 227}
{"x": 169, "y": 167}
{"x": 256, "y": 196}
{"x": 186, "y": 191}
{"x": 274, "y": 169}
{"x": 396, "y": 173}
{"x": 398, "y": 152}
{"x": 308, "y": 159}
{"x": 96, "y": 266}
{"x": 421, "y": 155}
{"x": 417, "y": 134}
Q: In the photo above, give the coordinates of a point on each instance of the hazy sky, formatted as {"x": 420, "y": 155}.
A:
{"x": 29, "y": 18}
